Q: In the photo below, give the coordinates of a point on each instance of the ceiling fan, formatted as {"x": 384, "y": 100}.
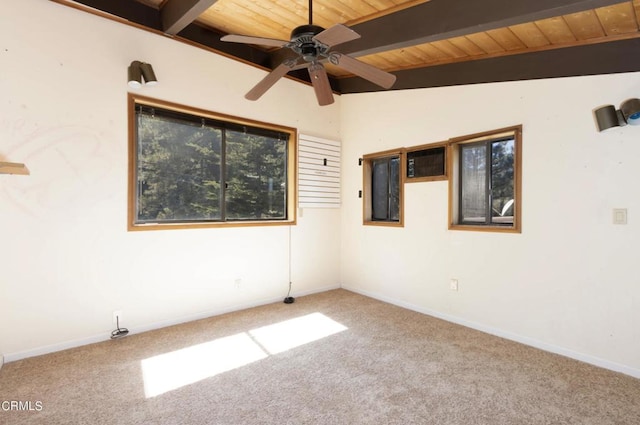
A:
{"x": 313, "y": 45}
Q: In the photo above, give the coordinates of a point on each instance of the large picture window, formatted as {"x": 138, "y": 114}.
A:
{"x": 191, "y": 167}
{"x": 486, "y": 185}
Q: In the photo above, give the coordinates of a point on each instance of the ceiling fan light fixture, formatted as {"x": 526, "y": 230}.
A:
{"x": 309, "y": 52}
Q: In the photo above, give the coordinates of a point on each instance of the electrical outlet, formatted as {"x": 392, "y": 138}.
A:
{"x": 454, "y": 284}
{"x": 117, "y": 316}
{"x": 237, "y": 283}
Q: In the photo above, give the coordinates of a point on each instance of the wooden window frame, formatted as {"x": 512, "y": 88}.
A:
{"x": 291, "y": 166}
{"x": 454, "y": 179}
{"x": 367, "y": 192}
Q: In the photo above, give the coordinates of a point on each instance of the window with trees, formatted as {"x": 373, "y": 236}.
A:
{"x": 383, "y": 188}
{"x": 194, "y": 168}
{"x": 485, "y": 188}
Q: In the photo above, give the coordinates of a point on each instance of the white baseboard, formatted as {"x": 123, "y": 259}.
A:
{"x": 12, "y": 357}
{"x": 596, "y": 361}
{"x": 1, "y": 361}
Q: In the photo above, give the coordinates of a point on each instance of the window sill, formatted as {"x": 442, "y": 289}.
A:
{"x": 202, "y": 225}
{"x": 383, "y": 223}
{"x": 485, "y": 228}
{"x": 426, "y": 179}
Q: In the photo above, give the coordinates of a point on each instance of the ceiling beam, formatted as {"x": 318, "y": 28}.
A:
{"x": 177, "y": 14}
{"x": 604, "y": 58}
{"x": 147, "y": 17}
{"x": 129, "y": 10}
{"x": 441, "y": 19}
{"x": 204, "y": 37}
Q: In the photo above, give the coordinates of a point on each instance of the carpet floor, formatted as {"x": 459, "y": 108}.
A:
{"x": 330, "y": 358}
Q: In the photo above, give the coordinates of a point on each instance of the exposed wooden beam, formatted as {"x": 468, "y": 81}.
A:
{"x": 177, "y": 14}
{"x": 129, "y": 10}
{"x": 441, "y": 19}
{"x": 204, "y": 37}
{"x": 604, "y": 58}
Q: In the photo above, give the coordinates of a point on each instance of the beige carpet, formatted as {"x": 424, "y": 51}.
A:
{"x": 340, "y": 358}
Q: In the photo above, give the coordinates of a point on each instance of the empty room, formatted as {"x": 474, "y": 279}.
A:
{"x": 319, "y": 212}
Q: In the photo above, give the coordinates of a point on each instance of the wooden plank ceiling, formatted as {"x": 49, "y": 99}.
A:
{"x": 408, "y": 37}
{"x": 275, "y": 19}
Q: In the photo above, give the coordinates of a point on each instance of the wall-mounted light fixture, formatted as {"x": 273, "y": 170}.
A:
{"x": 138, "y": 71}
{"x": 607, "y": 116}
{"x": 631, "y": 111}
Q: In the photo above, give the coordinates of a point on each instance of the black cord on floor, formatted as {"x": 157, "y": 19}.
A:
{"x": 119, "y": 332}
{"x": 288, "y": 299}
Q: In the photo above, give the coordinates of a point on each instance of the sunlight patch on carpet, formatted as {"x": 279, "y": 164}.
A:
{"x": 176, "y": 369}
{"x": 289, "y": 334}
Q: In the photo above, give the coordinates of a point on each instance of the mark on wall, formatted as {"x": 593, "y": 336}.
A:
{"x": 71, "y": 166}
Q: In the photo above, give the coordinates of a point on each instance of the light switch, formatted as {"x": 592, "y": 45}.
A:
{"x": 453, "y": 284}
{"x": 619, "y": 216}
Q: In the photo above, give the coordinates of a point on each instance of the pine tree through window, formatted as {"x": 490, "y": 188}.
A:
{"x": 486, "y": 182}
{"x": 196, "y": 168}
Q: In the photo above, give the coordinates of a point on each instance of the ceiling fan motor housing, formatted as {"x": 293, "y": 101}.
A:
{"x": 310, "y": 30}
{"x": 302, "y": 42}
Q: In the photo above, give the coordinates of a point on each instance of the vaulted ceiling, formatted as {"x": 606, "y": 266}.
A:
{"x": 425, "y": 43}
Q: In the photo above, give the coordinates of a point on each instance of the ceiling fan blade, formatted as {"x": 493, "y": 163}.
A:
{"x": 320, "y": 83}
{"x": 336, "y": 34}
{"x": 246, "y": 39}
{"x": 364, "y": 70}
{"x": 267, "y": 82}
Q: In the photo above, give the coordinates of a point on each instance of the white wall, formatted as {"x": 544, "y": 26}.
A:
{"x": 66, "y": 258}
{"x": 569, "y": 282}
